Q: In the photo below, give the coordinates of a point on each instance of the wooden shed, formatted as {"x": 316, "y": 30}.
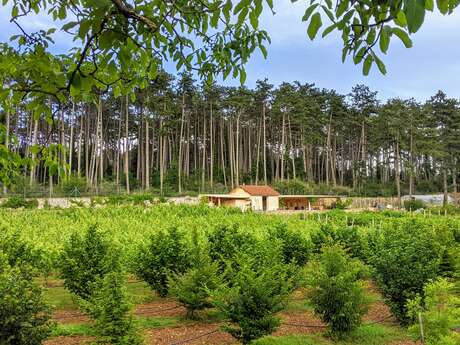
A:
{"x": 308, "y": 202}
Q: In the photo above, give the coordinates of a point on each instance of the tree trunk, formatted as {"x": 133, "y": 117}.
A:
{"x": 211, "y": 153}
{"x": 7, "y": 139}
{"x": 34, "y": 142}
{"x": 179, "y": 159}
{"x": 265, "y": 143}
{"x": 126, "y": 153}
{"x": 445, "y": 186}
{"x": 397, "y": 172}
{"x": 147, "y": 155}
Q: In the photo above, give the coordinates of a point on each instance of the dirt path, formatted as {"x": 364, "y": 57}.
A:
{"x": 293, "y": 322}
{"x": 163, "y": 308}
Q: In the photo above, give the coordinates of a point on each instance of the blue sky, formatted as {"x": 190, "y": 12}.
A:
{"x": 432, "y": 64}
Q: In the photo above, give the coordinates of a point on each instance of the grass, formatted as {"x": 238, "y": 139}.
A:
{"x": 375, "y": 334}
{"x": 60, "y": 298}
{"x": 73, "y": 329}
{"x": 291, "y": 340}
{"x": 85, "y": 329}
{"x": 365, "y": 335}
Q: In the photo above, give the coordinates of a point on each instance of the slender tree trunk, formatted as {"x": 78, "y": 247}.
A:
{"x": 445, "y": 185}
{"x": 222, "y": 151}
{"x": 72, "y": 122}
{"x": 7, "y": 139}
{"x": 237, "y": 151}
{"x": 203, "y": 157}
{"x": 258, "y": 152}
{"x": 147, "y": 155}
{"x": 80, "y": 137}
{"x": 454, "y": 176}
{"x": 411, "y": 162}
{"x": 117, "y": 160}
{"x": 34, "y": 142}
{"x": 282, "y": 147}
{"x": 265, "y": 144}
{"x": 291, "y": 148}
{"x": 126, "y": 153}
{"x": 179, "y": 160}
{"x": 211, "y": 152}
{"x": 101, "y": 141}
{"x": 397, "y": 172}
{"x": 231, "y": 153}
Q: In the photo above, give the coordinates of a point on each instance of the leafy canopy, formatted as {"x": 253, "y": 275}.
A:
{"x": 123, "y": 43}
{"x": 368, "y": 26}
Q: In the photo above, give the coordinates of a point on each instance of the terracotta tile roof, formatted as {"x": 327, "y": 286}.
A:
{"x": 259, "y": 190}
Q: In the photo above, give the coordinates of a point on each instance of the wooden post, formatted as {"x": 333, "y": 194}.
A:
{"x": 420, "y": 321}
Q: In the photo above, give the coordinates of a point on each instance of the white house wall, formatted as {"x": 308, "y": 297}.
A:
{"x": 256, "y": 203}
{"x": 273, "y": 203}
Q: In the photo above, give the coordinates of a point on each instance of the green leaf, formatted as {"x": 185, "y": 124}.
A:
{"x": 384, "y": 40}
{"x": 254, "y": 20}
{"x": 415, "y": 14}
{"x": 69, "y": 25}
{"x": 367, "y": 64}
{"x": 215, "y": 18}
{"x": 263, "y": 50}
{"x": 403, "y": 36}
{"x": 15, "y": 12}
{"x": 314, "y": 26}
{"x": 380, "y": 65}
{"x": 371, "y": 36}
{"x": 242, "y": 16}
{"x": 328, "y": 13}
{"x": 429, "y": 5}
{"x": 308, "y": 12}
{"x": 344, "y": 53}
{"x": 242, "y": 76}
{"x": 239, "y": 7}
{"x": 401, "y": 19}
{"x": 226, "y": 10}
{"x": 443, "y": 6}
{"x": 343, "y": 6}
{"x": 329, "y": 29}
{"x": 359, "y": 56}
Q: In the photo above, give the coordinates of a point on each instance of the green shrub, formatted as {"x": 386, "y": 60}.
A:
{"x": 336, "y": 293}
{"x": 439, "y": 311}
{"x": 24, "y": 317}
{"x": 450, "y": 264}
{"x": 165, "y": 253}
{"x": 20, "y": 202}
{"x": 414, "y": 204}
{"x": 405, "y": 258}
{"x": 295, "y": 248}
{"x": 192, "y": 288}
{"x": 84, "y": 260}
{"x": 108, "y": 305}
{"x": 255, "y": 296}
{"x": 347, "y": 236}
{"x": 225, "y": 242}
{"x": 17, "y": 251}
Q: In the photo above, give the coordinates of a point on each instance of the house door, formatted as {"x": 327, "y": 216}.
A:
{"x": 264, "y": 203}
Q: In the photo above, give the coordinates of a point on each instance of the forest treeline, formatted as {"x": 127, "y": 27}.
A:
{"x": 177, "y": 135}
